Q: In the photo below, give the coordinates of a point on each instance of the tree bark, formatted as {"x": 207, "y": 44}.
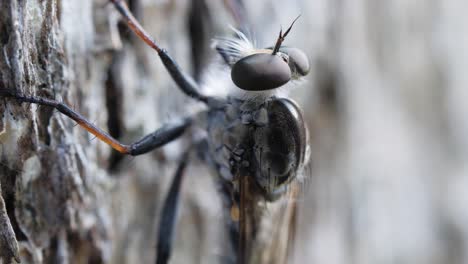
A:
{"x": 68, "y": 198}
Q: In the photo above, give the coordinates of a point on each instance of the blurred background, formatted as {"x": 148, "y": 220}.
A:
{"x": 384, "y": 102}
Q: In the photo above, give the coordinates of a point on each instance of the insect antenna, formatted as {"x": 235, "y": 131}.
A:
{"x": 282, "y": 36}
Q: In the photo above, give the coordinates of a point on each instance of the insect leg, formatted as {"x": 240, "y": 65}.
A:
{"x": 183, "y": 80}
{"x": 160, "y": 137}
{"x": 168, "y": 214}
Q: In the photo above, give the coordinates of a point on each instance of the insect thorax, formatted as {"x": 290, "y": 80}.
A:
{"x": 261, "y": 139}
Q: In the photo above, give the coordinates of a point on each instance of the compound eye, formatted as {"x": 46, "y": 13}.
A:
{"x": 298, "y": 61}
{"x": 261, "y": 71}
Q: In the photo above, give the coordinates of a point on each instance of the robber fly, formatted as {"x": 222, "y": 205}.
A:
{"x": 255, "y": 139}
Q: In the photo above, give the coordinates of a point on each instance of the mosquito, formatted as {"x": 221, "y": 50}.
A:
{"x": 255, "y": 139}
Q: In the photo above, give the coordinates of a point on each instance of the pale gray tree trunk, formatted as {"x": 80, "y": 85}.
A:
{"x": 385, "y": 104}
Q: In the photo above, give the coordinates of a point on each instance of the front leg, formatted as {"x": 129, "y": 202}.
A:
{"x": 159, "y": 138}
{"x": 182, "y": 79}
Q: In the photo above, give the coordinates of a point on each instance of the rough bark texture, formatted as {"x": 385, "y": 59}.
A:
{"x": 68, "y": 198}
{"x": 385, "y": 103}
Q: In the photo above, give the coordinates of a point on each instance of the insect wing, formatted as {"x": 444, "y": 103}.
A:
{"x": 266, "y": 230}
{"x": 276, "y": 238}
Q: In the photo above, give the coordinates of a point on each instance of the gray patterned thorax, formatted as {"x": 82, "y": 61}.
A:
{"x": 265, "y": 139}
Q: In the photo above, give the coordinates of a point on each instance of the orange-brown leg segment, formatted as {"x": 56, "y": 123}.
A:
{"x": 160, "y": 137}
{"x": 183, "y": 80}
